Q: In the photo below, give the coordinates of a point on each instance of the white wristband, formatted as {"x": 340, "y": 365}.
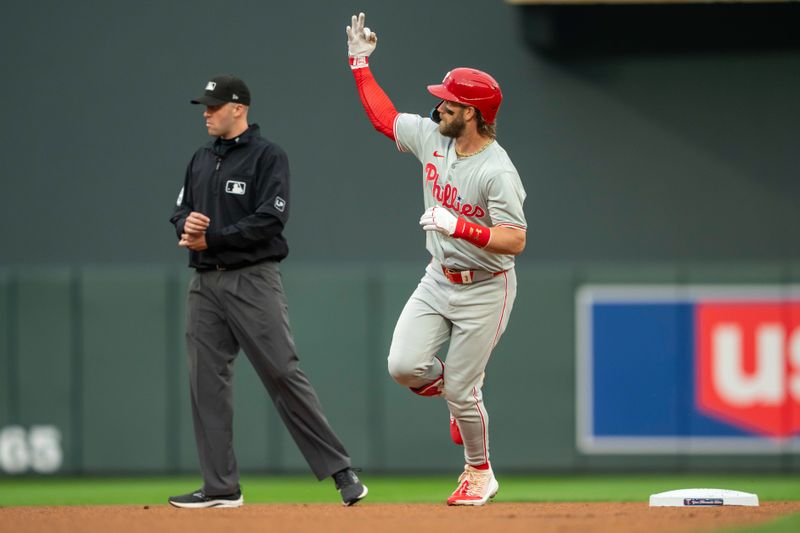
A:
{"x": 359, "y": 62}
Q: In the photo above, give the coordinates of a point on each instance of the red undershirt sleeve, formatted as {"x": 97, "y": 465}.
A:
{"x": 379, "y": 108}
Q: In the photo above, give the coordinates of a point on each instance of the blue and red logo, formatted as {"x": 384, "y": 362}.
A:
{"x": 689, "y": 369}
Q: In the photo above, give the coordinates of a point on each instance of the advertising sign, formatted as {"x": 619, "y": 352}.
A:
{"x": 688, "y": 369}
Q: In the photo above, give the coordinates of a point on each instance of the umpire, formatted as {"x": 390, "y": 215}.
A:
{"x": 230, "y": 215}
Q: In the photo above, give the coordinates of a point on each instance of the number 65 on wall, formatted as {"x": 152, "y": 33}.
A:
{"x": 37, "y": 449}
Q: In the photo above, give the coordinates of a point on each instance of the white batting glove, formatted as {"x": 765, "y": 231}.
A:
{"x": 439, "y": 219}
{"x": 360, "y": 41}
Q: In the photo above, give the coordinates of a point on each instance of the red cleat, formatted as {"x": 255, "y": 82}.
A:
{"x": 475, "y": 487}
{"x": 431, "y": 389}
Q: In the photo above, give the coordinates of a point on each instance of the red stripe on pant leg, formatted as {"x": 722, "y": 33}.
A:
{"x": 483, "y": 423}
{"x": 491, "y": 347}
{"x": 502, "y": 312}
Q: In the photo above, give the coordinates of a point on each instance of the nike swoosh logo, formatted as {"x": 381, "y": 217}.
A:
{"x": 437, "y": 154}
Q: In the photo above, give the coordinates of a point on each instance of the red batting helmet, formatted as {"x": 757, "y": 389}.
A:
{"x": 471, "y": 87}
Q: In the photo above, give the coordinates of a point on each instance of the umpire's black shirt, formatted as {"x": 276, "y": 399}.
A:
{"x": 242, "y": 185}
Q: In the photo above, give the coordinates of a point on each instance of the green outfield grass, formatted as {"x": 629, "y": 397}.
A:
{"x": 385, "y": 489}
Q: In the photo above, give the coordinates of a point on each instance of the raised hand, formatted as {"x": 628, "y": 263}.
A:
{"x": 360, "y": 40}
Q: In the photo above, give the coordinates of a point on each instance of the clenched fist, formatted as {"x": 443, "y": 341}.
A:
{"x": 196, "y": 223}
{"x": 439, "y": 219}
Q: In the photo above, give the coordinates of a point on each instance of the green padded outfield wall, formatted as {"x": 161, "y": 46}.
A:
{"x": 97, "y": 354}
{"x": 666, "y": 165}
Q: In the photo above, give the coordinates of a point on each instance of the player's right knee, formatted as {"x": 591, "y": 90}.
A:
{"x": 399, "y": 371}
{"x": 405, "y": 373}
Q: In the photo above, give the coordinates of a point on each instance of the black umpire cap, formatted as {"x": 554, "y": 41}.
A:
{"x": 224, "y": 89}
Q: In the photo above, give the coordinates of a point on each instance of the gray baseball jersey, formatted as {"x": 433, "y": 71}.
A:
{"x": 484, "y": 188}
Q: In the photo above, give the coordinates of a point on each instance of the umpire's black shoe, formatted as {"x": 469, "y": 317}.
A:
{"x": 199, "y": 500}
{"x": 349, "y": 486}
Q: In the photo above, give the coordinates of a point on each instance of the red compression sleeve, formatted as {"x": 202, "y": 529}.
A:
{"x": 379, "y": 108}
{"x": 473, "y": 233}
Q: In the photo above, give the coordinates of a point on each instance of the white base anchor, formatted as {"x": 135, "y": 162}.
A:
{"x": 702, "y": 498}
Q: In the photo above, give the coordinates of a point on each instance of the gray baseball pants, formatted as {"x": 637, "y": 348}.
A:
{"x": 247, "y": 309}
{"x": 472, "y": 318}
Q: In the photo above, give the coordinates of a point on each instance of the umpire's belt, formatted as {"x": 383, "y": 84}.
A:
{"x": 223, "y": 268}
{"x": 468, "y": 276}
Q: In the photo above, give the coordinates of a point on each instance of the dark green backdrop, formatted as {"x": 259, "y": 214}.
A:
{"x": 668, "y": 166}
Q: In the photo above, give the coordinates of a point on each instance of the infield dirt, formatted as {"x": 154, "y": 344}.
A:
{"x": 388, "y": 518}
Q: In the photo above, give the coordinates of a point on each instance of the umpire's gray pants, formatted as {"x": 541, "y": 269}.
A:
{"x": 247, "y": 308}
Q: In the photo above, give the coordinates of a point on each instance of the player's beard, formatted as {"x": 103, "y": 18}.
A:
{"x": 454, "y": 128}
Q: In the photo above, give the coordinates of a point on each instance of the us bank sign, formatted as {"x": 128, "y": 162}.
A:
{"x": 688, "y": 369}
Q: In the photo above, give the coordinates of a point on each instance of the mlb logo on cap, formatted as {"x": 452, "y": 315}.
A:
{"x": 224, "y": 89}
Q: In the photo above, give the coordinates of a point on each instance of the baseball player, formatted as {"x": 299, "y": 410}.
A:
{"x": 475, "y": 226}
